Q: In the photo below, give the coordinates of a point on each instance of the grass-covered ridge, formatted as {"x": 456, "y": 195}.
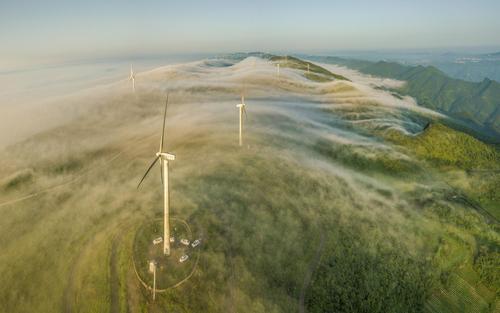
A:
{"x": 450, "y": 150}
{"x": 447, "y": 147}
{"x": 316, "y": 73}
{"x": 477, "y": 104}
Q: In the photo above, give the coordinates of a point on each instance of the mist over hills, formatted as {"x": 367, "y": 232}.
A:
{"x": 345, "y": 197}
{"x": 475, "y": 104}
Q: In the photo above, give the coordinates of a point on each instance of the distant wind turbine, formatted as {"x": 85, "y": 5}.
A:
{"x": 278, "y": 70}
{"x": 163, "y": 158}
{"x": 242, "y": 110}
{"x": 132, "y": 78}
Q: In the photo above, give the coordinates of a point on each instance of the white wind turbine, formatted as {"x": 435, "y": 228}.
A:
{"x": 132, "y": 78}
{"x": 242, "y": 110}
{"x": 163, "y": 158}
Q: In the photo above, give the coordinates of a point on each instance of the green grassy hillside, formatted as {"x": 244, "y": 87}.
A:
{"x": 316, "y": 73}
{"x": 325, "y": 208}
{"x": 450, "y": 150}
{"x": 444, "y": 146}
{"x": 477, "y": 104}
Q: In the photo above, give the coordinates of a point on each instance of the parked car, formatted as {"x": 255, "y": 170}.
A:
{"x": 157, "y": 240}
{"x": 184, "y": 258}
{"x": 185, "y": 242}
{"x": 172, "y": 239}
{"x": 195, "y": 243}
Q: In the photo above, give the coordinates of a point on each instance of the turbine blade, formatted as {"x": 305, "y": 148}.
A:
{"x": 163, "y": 129}
{"x": 245, "y": 111}
{"x": 149, "y": 168}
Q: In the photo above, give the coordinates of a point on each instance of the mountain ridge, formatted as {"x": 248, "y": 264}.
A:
{"x": 474, "y": 103}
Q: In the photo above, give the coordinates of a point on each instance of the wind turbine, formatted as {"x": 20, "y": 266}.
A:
{"x": 278, "y": 70}
{"x": 132, "y": 78}
{"x": 163, "y": 158}
{"x": 242, "y": 109}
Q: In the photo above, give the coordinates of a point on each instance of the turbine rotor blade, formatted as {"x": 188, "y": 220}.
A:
{"x": 163, "y": 129}
{"x": 149, "y": 168}
{"x": 245, "y": 111}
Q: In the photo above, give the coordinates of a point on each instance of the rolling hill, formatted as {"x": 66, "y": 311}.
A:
{"x": 333, "y": 204}
{"x": 475, "y": 104}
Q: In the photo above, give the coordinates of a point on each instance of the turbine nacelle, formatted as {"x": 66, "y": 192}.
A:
{"x": 242, "y": 104}
{"x": 165, "y": 156}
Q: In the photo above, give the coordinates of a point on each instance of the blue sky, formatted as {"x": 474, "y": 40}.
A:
{"x": 43, "y": 31}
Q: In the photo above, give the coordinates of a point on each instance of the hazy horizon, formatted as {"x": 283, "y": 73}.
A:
{"x": 36, "y": 33}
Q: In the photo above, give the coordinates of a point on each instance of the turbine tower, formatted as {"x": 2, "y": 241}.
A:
{"x": 163, "y": 158}
{"x": 278, "y": 70}
{"x": 132, "y": 78}
{"x": 242, "y": 109}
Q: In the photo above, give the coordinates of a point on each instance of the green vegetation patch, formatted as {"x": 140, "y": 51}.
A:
{"x": 449, "y": 150}
{"x": 18, "y": 179}
{"x": 363, "y": 159}
{"x": 351, "y": 278}
{"x": 444, "y": 146}
{"x": 316, "y": 73}
{"x": 317, "y": 78}
{"x": 487, "y": 265}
